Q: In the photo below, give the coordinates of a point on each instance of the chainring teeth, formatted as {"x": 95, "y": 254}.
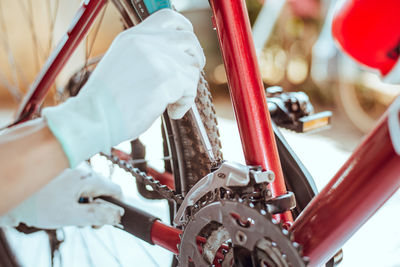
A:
{"x": 226, "y": 203}
{"x": 264, "y": 226}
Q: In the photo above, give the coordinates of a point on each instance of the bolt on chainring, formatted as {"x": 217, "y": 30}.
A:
{"x": 253, "y": 238}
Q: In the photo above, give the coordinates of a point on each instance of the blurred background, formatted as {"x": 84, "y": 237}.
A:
{"x": 295, "y": 50}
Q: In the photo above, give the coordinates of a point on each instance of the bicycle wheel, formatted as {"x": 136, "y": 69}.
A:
{"x": 186, "y": 159}
{"x": 183, "y": 155}
{"x": 363, "y": 105}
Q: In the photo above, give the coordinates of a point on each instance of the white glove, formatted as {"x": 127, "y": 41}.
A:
{"x": 56, "y": 205}
{"x": 147, "y": 68}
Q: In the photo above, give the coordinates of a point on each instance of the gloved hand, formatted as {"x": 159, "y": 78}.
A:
{"x": 147, "y": 68}
{"x": 56, "y": 205}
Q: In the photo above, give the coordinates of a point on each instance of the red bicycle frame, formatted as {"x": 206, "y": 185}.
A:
{"x": 361, "y": 186}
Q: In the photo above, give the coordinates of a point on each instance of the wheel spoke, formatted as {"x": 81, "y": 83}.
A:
{"x": 88, "y": 49}
{"x": 37, "y": 50}
{"x": 113, "y": 243}
{"x": 52, "y": 14}
{"x": 16, "y": 71}
{"x": 95, "y": 32}
{"x": 105, "y": 246}
{"x": 140, "y": 244}
{"x": 83, "y": 239}
{"x": 14, "y": 90}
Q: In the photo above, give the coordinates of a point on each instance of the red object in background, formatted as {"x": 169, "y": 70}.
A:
{"x": 305, "y": 8}
{"x": 368, "y": 178}
{"x": 247, "y": 91}
{"x": 368, "y": 30}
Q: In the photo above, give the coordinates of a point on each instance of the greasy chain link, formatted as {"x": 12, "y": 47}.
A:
{"x": 163, "y": 190}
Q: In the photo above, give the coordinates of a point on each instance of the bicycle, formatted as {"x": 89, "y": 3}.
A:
{"x": 253, "y": 195}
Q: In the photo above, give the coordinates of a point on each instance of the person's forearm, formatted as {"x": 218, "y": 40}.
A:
{"x": 30, "y": 157}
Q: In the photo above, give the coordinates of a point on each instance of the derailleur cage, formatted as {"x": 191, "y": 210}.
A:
{"x": 230, "y": 176}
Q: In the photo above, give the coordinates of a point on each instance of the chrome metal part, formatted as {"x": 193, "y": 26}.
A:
{"x": 241, "y": 238}
{"x": 229, "y": 174}
{"x": 261, "y": 235}
{"x": 263, "y": 176}
{"x": 216, "y": 239}
{"x": 240, "y": 221}
{"x": 267, "y": 253}
{"x": 201, "y": 130}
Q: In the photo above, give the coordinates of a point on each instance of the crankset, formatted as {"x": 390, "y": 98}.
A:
{"x": 226, "y": 220}
{"x": 237, "y": 234}
{"x": 230, "y": 210}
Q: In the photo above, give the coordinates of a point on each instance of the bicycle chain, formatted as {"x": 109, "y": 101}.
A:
{"x": 163, "y": 190}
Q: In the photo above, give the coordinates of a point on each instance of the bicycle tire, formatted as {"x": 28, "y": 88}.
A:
{"x": 352, "y": 108}
{"x": 185, "y": 148}
{"x": 191, "y": 161}
{"x": 189, "y": 156}
{"x": 188, "y": 149}
{"x": 193, "y": 158}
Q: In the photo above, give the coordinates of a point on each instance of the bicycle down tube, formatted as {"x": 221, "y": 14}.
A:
{"x": 361, "y": 186}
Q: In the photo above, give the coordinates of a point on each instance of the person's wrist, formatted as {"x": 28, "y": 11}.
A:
{"x": 24, "y": 212}
{"x": 9, "y": 219}
{"x": 79, "y": 128}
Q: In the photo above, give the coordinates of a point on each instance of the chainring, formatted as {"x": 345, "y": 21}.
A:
{"x": 254, "y": 237}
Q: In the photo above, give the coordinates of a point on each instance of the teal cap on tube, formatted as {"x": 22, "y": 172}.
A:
{"x": 154, "y": 5}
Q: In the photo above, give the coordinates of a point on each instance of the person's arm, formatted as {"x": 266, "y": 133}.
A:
{"x": 30, "y": 156}
{"x": 149, "y": 68}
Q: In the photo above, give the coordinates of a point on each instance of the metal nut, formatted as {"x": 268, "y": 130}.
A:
{"x": 221, "y": 175}
{"x": 241, "y": 237}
